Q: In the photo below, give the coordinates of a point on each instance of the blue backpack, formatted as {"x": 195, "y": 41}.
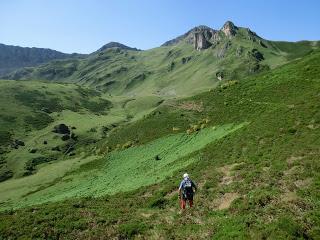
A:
{"x": 187, "y": 189}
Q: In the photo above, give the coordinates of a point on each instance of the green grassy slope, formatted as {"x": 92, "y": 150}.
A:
{"x": 121, "y": 170}
{"x": 297, "y": 49}
{"x": 259, "y": 182}
{"x": 30, "y": 110}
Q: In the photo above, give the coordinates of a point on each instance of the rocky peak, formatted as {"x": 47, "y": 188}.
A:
{"x": 229, "y": 29}
{"x": 202, "y": 36}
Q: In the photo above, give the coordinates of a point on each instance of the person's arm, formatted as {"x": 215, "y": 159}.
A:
{"x": 179, "y": 190}
{"x": 194, "y": 185}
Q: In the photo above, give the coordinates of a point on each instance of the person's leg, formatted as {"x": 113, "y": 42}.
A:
{"x": 182, "y": 203}
{"x": 191, "y": 203}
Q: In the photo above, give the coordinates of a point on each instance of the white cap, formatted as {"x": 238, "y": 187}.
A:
{"x": 186, "y": 175}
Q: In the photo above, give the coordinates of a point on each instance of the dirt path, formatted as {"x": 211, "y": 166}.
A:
{"x": 226, "y": 200}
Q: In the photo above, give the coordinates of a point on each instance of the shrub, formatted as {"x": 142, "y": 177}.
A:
{"x": 5, "y": 138}
{"x": 292, "y": 131}
{"x": 96, "y": 107}
{"x": 39, "y": 121}
{"x": 38, "y": 100}
{"x": 196, "y": 128}
{"x": 31, "y": 164}
{"x": 157, "y": 201}
{"x": 128, "y": 230}
{"x": 127, "y": 145}
{"x": 5, "y": 173}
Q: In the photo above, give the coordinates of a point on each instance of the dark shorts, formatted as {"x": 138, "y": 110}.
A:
{"x": 190, "y": 198}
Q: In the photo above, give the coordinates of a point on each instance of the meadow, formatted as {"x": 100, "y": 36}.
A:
{"x": 255, "y": 161}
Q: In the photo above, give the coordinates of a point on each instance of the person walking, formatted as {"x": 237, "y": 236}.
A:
{"x": 186, "y": 191}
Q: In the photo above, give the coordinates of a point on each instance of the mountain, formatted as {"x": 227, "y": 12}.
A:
{"x": 95, "y": 147}
{"x": 196, "y": 61}
{"x": 13, "y": 57}
{"x": 116, "y": 45}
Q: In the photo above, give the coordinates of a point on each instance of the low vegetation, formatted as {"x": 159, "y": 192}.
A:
{"x": 255, "y": 162}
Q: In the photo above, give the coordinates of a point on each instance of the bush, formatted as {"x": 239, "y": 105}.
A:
{"x": 128, "y": 230}
{"x": 39, "y": 121}
{"x": 5, "y": 138}
{"x": 96, "y": 107}
{"x": 127, "y": 145}
{"x": 292, "y": 131}
{"x": 5, "y": 173}
{"x": 38, "y": 100}
{"x": 31, "y": 164}
{"x": 157, "y": 201}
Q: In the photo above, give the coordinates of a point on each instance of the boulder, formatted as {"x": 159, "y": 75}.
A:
{"x": 17, "y": 143}
{"x": 239, "y": 51}
{"x": 57, "y": 148}
{"x": 33, "y": 150}
{"x": 74, "y": 137}
{"x": 61, "y": 129}
{"x": 185, "y": 59}
{"x": 223, "y": 50}
{"x": 46, "y": 110}
{"x": 220, "y": 75}
{"x": 65, "y": 137}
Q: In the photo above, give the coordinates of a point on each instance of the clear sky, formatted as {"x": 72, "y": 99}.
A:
{"x": 85, "y": 25}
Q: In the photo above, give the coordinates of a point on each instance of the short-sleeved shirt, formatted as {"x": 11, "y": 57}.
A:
{"x": 183, "y": 182}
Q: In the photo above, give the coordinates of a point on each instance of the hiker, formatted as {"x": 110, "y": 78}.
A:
{"x": 186, "y": 190}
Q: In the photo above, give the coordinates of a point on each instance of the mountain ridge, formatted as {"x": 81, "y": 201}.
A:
{"x": 192, "y": 62}
{"x": 13, "y": 57}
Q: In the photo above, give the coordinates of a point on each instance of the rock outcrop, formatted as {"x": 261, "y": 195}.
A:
{"x": 204, "y": 32}
{"x": 229, "y": 29}
{"x": 200, "y": 41}
{"x": 204, "y": 37}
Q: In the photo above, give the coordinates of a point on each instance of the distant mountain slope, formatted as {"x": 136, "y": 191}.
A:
{"x": 116, "y": 45}
{"x": 13, "y": 57}
{"x": 191, "y": 63}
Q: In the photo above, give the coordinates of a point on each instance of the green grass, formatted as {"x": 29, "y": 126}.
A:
{"x": 124, "y": 170}
{"x": 114, "y": 187}
{"x": 31, "y": 109}
{"x": 297, "y": 49}
{"x": 271, "y": 165}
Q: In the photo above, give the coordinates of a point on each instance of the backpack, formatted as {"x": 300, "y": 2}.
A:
{"x": 187, "y": 189}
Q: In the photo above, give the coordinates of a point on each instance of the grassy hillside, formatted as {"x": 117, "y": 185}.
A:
{"x": 121, "y": 170}
{"x": 30, "y": 111}
{"x": 251, "y": 145}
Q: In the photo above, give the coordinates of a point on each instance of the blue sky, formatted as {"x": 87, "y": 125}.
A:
{"x": 85, "y": 25}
